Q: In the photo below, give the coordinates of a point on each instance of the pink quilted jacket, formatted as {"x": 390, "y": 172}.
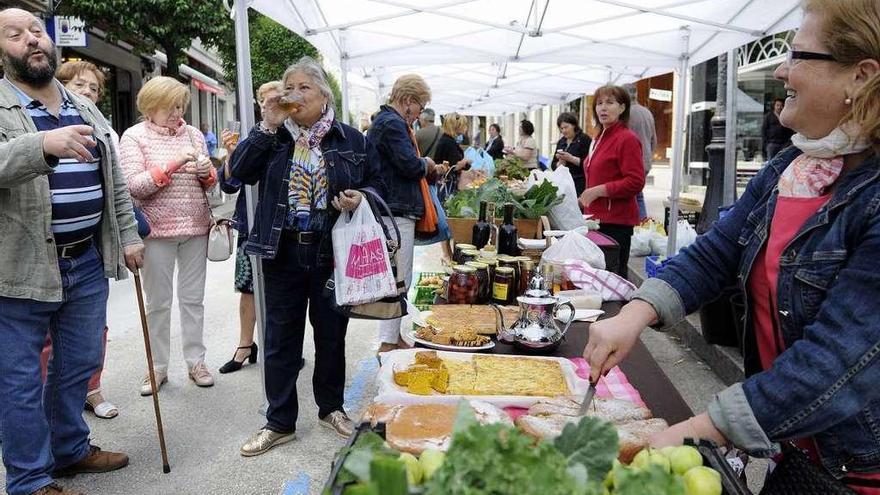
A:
{"x": 175, "y": 204}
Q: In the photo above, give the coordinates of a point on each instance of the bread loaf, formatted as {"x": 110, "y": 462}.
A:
{"x": 613, "y": 410}
{"x": 635, "y": 434}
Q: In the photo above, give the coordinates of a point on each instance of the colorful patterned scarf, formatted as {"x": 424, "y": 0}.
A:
{"x": 308, "y": 175}
{"x": 810, "y": 174}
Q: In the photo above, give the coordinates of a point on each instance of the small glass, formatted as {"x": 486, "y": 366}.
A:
{"x": 234, "y": 127}
{"x": 290, "y": 102}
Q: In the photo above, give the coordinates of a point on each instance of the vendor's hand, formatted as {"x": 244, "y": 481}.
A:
{"x": 134, "y": 256}
{"x": 588, "y": 196}
{"x": 347, "y": 200}
{"x": 611, "y": 340}
{"x": 229, "y": 141}
{"x": 507, "y": 150}
{"x": 698, "y": 427}
{"x": 273, "y": 115}
{"x": 203, "y": 167}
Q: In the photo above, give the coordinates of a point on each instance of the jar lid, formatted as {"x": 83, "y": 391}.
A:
{"x": 478, "y": 265}
{"x": 465, "y": 269}
{"x": 528, "y": 265}
{"x": 487, "y": 261}
{"x": 504, "y": 269}
{"x": 506, "y": 258}
{"x": 470, "y": 252}
{"x": 523, "y": 258}
{"x": 462, "y": 247}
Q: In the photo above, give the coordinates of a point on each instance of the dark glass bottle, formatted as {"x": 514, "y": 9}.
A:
{"x": 482, "y": 230}
{"x": 507, "y": 237}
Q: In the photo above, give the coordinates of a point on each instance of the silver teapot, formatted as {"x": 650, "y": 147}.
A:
{"x": 535, "y": 330}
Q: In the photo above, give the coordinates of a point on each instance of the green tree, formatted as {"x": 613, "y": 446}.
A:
{"x": 169, "y": 25}
{"x": 273, "y": 49}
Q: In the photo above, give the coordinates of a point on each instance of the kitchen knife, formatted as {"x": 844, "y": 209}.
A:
{"x": 588, "y": 399}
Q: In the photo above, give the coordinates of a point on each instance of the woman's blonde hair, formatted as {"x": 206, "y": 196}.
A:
{"x": 161, "y": 93}
{"x": 410, "y": 87}
{"x": 851, "y": 33}
{"x": 453, "y": 123}
{"x": 266, "y": 87}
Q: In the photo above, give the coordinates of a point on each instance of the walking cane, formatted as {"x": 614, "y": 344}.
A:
{"x": 166, "y": 467}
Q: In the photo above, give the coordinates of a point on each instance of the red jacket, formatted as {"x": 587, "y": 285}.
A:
{"x": 616, "y": 161}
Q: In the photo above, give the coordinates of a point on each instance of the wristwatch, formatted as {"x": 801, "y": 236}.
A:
{"x": 262, "y": 128}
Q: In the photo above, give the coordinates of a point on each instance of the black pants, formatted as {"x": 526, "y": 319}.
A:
{"x": 295, "y": 284}
{"x": 622, "y": 234}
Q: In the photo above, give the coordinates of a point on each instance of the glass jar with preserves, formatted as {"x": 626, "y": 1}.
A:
{"x": 463, "y": 285}
{"x": 492, "y": 263}
{"x": 459, "y": 247}
{"x": 503, "y": 288}
{"x": 512, "y": 263}
{"x": 526, "y": 270}
{"x": 484, "y": 291}
{"x": 469, "y": 255}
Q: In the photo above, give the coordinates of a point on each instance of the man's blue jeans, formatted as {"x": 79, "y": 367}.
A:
{"x": 43, "y": 428}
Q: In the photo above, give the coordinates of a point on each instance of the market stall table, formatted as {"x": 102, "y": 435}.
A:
{"x": 640, "y": 368}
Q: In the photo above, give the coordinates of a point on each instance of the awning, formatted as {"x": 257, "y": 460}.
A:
{"x": 207, "y": 87}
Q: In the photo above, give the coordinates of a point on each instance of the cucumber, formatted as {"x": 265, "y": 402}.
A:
{"x": 389, "y": 475}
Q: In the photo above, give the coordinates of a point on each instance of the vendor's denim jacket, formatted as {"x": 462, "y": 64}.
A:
{"x": 827, "y": 382}
{"x": 265, "y": 158}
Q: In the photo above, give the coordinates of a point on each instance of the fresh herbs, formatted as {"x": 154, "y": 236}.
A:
{"x": 537, "y": 201}
{"x": 512, "y": 167}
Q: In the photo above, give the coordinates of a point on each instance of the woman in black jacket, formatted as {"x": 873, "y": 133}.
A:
{"x": 448, "y": 150}
{"x": 495, "y": 144}
{"x": 571, "y": 149}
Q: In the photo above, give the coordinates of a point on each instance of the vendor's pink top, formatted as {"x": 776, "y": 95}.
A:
{"x": 788, "y": 218}
{"x": 175, "y": 205}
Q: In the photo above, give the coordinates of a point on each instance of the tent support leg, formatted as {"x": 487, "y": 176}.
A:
{"x": 678, "y": 135}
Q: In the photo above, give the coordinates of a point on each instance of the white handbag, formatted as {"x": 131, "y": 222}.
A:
{"x": 220, "y": 240}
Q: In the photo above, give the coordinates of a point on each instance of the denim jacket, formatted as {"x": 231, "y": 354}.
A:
{"x": 826, "y": 384}
{"x": 391, "y": 148}
{"x": 28, "y": 257}
{"x": 265, "y": 158}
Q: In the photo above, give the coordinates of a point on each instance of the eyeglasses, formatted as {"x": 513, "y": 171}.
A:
{"x": 802, "y": 55}
{"x": 80, "y": 84}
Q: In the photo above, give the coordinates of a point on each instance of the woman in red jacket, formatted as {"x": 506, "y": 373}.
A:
{"x": 614, "y": 171}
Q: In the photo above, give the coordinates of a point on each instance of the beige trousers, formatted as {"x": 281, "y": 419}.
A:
{"x": 189, "y": 254}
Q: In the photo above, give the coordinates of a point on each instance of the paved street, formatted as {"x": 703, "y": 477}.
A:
{"x": 204, "y": 428}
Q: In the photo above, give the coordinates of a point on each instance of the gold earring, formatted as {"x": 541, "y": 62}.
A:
{"x": 847, "y": 101}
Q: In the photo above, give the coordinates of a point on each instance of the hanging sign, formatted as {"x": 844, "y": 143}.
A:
{"x": 660, "y": 94}
{"x": 70, "y": 31}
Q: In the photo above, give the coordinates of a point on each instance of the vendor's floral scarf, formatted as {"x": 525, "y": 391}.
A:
{"x": 308, "y": 175}
{"x": 810, "y": 174}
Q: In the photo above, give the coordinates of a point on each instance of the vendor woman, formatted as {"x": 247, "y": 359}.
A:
{"x": 803, "y": 243}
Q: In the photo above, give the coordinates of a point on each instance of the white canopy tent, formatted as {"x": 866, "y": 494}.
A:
{"x": 497, "y": 56}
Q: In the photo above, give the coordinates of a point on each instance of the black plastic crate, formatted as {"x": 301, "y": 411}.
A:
{"x": 731, "y": 483}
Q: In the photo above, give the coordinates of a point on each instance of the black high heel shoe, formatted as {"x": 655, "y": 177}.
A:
{"x": 233, "y": 365}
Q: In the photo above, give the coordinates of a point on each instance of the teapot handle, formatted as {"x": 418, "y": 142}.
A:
{"x": 570, "y": 316}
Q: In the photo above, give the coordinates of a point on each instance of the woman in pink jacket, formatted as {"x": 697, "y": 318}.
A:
{"x": 167, "y": 168}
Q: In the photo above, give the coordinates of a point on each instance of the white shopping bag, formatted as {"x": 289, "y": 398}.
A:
{"x": 576, "y": 246}
{"x": 362, "y": 271}
{"x": 566, "y": 215}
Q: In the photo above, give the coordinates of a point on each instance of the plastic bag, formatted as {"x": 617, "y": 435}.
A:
{"x": 685, "y": 236}
{"x": 362, "y": 271}
{"x": 480, "y": 160}
{"x": 566, "y": 215}
{"x": 575, "y": 246}
{"x": 658, "y": 244}
{"x": 443, "y": 232}
{"x": 640, "y": 244}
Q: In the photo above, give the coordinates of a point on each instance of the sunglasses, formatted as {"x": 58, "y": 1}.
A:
{"x": 803, "y": 55}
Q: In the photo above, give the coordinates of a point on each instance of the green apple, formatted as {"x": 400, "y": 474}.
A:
{"x": 650, "y": 456}
{"x": 683, "y": 458}
{"x": 667, "y": 451}
{"x": 431, "y": 460}
{"x": 413, "y": 468}
{"x": 702, "y": 480}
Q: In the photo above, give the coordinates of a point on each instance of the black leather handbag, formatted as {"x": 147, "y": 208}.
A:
{"x": 796, "y": 474}
{"x": 387, "y": 308}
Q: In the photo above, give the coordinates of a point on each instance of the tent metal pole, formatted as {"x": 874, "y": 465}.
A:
{"x": 730, "y": 131}
{"x": 678, "y": 139}
{"x": 245, "y": 84}
{"x": 343, "y": 67}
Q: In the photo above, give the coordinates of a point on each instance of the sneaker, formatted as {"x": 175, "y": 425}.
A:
{"x": 200, "y": 374}
{"x": 161, "y": 379}
{"x": 339, "y": 422}
{"x": 264, "y": 440}
{"x": 55, "y": 489}
{"x": 98, "y": 461}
